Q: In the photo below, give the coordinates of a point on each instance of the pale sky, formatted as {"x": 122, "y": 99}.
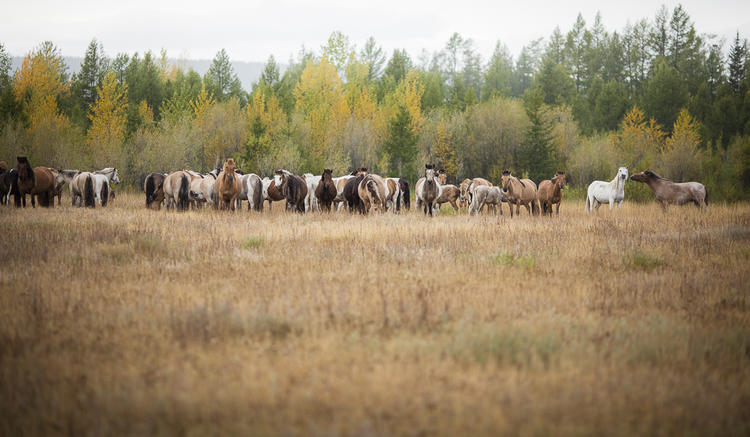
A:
{"x": 252, "y": 30}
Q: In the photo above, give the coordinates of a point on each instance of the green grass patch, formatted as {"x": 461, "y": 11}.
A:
{"x": 253, "y": 243}
{"x": 508, "y": 259}
{"x": 643, "y": 261}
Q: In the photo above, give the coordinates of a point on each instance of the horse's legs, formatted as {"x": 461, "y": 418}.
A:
{"x": 557, "y": 211}
{"x": 663, "y": 206}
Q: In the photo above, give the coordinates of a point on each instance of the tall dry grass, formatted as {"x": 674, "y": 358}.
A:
{"x": 127, "y": 321}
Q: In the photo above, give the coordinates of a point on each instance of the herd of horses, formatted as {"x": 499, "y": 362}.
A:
{"x": 361, "y": 191}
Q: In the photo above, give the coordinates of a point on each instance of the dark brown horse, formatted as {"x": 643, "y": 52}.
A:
{"x": 293, "y": 188}
{"x": 668, "y": 192}
{"x": 153, "y": 186}
{"x": 39, "y": 181}
{"x": 326, "y": 191}
{"x": 351, "y": 194}
{"x": 550, "y": 193}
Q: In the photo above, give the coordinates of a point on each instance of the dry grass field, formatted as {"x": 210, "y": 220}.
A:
{"x": 133, "y": 322}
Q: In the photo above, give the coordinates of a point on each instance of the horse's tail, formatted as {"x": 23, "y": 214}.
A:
{"x": 373, "y": 189}
{"x": 88, "y": 192}
{"x": 183, "y": 194}
{"x": 104, "y": 194}
{"x": 150, "y": 188}
{"x": 705, "y": 198}
{"x": 535, "y": 207}
{"x": 257, "y": 197}
{"x": 407, "y": 194}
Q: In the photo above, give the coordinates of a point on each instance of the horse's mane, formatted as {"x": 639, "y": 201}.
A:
{"x": 654, "y": 175}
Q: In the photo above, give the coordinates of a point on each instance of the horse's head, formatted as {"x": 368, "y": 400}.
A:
{"x": 442, "y": 177}
{"x": 640, "y": 177}
{"x": 622, "y": 173}
{"x": 429, "y": 173}
{"x": 327, "y": 175}
{"x": 363, "y": 170}
{"x": 559, "y": 179}
{"x": 279, "y": 177}
{"x": 115, "y": 176}
{"x": 506, "y": 177}
{"x": 24, "y": 167}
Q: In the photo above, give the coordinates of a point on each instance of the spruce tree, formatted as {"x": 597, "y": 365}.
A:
{"x": 401, "y": 144}
{"x": 737, "y": 59}
{"x": 535, "y": 156}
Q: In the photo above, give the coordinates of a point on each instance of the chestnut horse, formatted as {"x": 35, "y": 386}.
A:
{"x": 550, "y": 193}
{"x": 293, "y": 188}
{"x": 669, "y": 192}
{"x": 39, "y": 181}
{"x": 227, "y": 186}
{"x": 520, "y": 192}
{"x": 326, "y": 190}
{"x": 450, "y": 195}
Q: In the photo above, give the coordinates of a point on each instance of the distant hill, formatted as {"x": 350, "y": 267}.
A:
{"x": 248, "y": 72}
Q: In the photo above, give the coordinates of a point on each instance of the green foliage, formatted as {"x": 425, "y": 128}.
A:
{"x": 665, "y": 94}
{"x": 221, "y": 80}
{"x": 536, "y": 153}
{"x": 401, "y": 144}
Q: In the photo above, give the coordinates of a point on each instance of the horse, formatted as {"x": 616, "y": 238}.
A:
{"x": 207, "y": 187}
{"x": 311, "y": 202}
{"x": 293, "y": 188}
{"x": 153, "y": 186}
{"x": 404, "y": 197}
{"x": 325, "y": 191}
{"x": 82, "y": 190}
{"x": 270, "y": 192}
{"x": 351, "y": 193}
{"x": 463, "y": 198}
{"x": 227, "y": 186}
{"x": 607, "y": 192}
{"x": 449, "y": 194}
{"x": 550, "y": 193}
{"x": 63, "y": 177}
{"x": 428, "y": 190}
{"x": 177, "y": 190}
{"x": 252, "y": 191}
{"x": 392, "y": 194}
{"x": 39, "y": 181}
{"x": 9, "y": 186}
{"x": 669, "y": 192}
{"x": 372, "y": 191}
{"x": 340, "y": 183}
{"x": 484, "y": 195}
{"x": 520, "y": 192}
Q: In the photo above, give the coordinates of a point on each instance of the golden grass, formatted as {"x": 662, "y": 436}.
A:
{"x": 128, "y": 321}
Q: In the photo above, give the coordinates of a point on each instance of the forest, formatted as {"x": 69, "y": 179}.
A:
{"x": 657, "y": 94}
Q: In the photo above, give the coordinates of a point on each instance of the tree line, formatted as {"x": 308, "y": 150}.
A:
{"x": 656, "y": 94}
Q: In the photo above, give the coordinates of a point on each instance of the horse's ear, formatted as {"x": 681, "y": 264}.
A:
{"x": 506, "y": 173}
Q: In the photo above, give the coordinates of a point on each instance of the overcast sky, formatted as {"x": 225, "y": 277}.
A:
{"x": 252, "y": 30}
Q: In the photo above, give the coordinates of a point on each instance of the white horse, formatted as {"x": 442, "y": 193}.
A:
{"x": 103, "y": 180}
{"x": 607, "y": 192}
{"x": 312, "y": 181}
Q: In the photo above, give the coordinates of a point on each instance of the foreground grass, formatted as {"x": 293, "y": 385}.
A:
{"x": 127, "y": 321}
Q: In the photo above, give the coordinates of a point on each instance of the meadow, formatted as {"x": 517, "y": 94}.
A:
{"x": 126, "y": 321}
